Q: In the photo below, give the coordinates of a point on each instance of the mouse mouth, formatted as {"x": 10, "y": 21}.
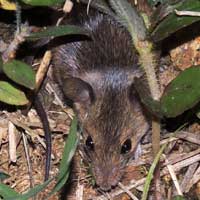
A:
{"x": 107, "y": 177}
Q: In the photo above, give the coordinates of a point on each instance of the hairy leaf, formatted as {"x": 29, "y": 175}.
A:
{"x": 129, "y": 17}
{"x": 152, "y": 105}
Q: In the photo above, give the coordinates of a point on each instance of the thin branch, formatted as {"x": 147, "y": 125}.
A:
{"x": 19, "y": 38}
{"x": 185, "y": 184}
{"x": 28, "y": 131}
{"x": 174, "y": 178}
{"x": 30, "y": 171}
{"x": 42, "y": 70}
{"x": 130, "y": 194}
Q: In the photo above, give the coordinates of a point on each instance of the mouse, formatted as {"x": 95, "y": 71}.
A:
{"x": 97, "y": 75}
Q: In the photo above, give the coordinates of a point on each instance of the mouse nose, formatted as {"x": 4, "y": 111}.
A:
{"x": 107, "y": 177}
{"x": 105, "y": 187}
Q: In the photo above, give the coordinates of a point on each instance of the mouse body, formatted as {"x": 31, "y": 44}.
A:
{"x": 97, "y": 75}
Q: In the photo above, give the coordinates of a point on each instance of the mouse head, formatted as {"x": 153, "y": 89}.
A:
{"x": 112, "y": 123}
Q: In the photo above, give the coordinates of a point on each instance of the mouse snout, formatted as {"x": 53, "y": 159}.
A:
{"x": 107, "y": 177}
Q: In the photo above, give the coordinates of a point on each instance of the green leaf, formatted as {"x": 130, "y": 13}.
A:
{"x": 150, "y": 173}
{"x": 3, "y": 176}
{"x": 43, "y": 2}
{"x": 1, "y": 64}
{"x": 56, "y": 31}
{"x": 60, "y": 183}
{"x": 182, "y": 93}
{"x": 11, "y": 95}
{"x": 6, "y": 192}
{"x": 163, "y": 10}
{"x": 32, "y": 192}
{"x": 69, "y": 150}
{"x": 178, "y": 198}
{"x": 100, "y": 5}
{"x": 172, "y": 22}
{"x": 20, "y": 73}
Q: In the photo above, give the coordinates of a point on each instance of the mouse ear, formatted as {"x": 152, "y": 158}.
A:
{"x": 78, "y": 91}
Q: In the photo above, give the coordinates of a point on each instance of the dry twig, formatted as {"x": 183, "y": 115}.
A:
{"x": 28, "y": 160}
{"x": 173, "y": 176}
{"x": 187, "y": 177}
{"x": 127, "y": 191}
{"x": 42, "y": 70}
{"x": 12, "y": 142}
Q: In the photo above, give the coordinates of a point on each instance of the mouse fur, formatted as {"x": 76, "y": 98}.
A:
{"x": 97, "y": 75}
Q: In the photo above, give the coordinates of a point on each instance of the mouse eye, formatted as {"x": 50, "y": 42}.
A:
{"x": 126, "y": 147}
{"x": 89, "y": 143}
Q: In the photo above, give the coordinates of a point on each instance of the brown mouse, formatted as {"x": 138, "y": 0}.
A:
{"x": 98, "y": 76}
